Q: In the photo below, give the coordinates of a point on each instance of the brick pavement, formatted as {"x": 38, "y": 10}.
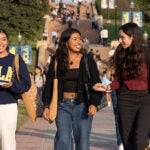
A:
{"x": 40, "y": 135}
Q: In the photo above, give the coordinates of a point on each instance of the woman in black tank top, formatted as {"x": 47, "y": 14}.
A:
{"x": 74, "y": 114}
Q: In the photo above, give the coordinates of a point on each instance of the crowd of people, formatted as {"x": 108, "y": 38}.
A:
{"x": 125, "y": 84}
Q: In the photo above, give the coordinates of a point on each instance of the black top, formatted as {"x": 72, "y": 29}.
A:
{"x": 95, "y": 95}
{"x": 70, "y": 80}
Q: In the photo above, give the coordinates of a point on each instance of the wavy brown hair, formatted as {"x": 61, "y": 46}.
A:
{"x": 62, "y": 51}
{"x": 131, "y": 58}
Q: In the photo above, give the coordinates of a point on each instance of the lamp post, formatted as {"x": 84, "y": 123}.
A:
{"x": 19, "y": 42}
{"x": 116, "y": 21}
{"x": 132, "y": 7}
{"x": 145, "y": 36}
{"x": 108, "y": 19}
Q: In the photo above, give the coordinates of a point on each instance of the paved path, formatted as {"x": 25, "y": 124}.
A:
{"x": 40, "y": 135}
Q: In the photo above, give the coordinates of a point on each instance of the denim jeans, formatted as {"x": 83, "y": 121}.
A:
{"x": 72, "y": 121}
{"x": 115, "y": 109}
{"x": 40, "y": 91}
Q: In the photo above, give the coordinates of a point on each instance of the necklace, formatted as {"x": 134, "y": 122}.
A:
{"x": 71, "y": 62}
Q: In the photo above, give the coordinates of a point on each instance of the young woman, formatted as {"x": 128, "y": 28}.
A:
{"x": 132, "y": 80}
{"x": 39, "y": 79}
{"x": 9, "y": 86}
{"x": 75, "y": 113}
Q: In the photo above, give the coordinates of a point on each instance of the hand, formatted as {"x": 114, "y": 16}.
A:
{"x": 46, "y": 114}
{"x": 92, "y": 110}
{"x": 7, "y": 85}
{"x": 99, "y": 87}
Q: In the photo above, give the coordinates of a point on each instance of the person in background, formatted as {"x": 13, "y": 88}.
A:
{"x": 97, "y": 58}
{"x": 39, "y": 79}
{"x": 56, "y": 43}
{"x": 93, "y": 22}
{"x": 9, "y": 87}
{"x": 104, "y": 36}
{"x": 110, "y": 74}
{"x": 77, "y": 20}
{"x": 54, "y": 36}
{"x": 133, "y": 83}
{"x": 75, "y": 113}
{"x": 87, "y": 13}
{"x": 107, "y": 96}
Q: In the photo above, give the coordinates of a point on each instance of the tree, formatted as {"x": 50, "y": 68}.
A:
{"x": 25, "y": 16}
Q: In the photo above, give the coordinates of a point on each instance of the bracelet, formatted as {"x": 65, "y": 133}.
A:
{"x": 46, "y": 107}
{"x": 108, "y": 91}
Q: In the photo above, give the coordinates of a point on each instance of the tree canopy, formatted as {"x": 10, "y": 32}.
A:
{"x": 24, "y": 16}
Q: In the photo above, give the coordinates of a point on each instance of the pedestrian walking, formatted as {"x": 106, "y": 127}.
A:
{"x": 9, "y": 87}
{"x": 77, "y": 20}
{"x": 75, "y": 113}
{"x": 87, "y": 13}
{"x": 132, "y": 84}
{"x": 104, "y": 37}
{"x": 39, "y": 79}
{"x": 93, "y": 22}
{"x": 110, "y": 74}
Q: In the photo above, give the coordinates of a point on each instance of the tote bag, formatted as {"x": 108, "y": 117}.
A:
{"x": 30, "y": 97}
{"x": 54, "y": 101}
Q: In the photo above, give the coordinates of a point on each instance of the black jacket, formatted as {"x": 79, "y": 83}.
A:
{"x": 95, "y": 95}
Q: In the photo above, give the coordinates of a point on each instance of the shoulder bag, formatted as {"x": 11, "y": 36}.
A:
{"x": 30, "y": 97}
{"x": 54, "y": 101}
{"x": 88, "y": 84}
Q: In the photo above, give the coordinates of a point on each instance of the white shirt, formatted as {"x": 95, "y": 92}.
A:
{"x": 54, "y": 33}
{"x": 105, "y": 80}
{"x": 39, "y": 81}
{"x": 104, "y": 33}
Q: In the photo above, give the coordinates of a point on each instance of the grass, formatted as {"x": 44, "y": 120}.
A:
{"x": 22, "y": 115}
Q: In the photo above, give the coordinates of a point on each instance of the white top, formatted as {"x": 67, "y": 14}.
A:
{"x": 105, "y": 80}
{"x": 39, "y": 81}
{"x": 104, "y": 33}
{"x": 54, "y": 33}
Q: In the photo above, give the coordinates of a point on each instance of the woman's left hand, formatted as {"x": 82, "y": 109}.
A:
{"x": 100, "y": 87}
{"x": 92, "y": 110}
{"x": 7, "y": 85}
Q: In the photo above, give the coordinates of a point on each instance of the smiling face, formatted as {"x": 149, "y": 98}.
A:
{"x": 74, "y": 44}
{"x": 3, "y": 44}
{"x": 125, "y": 40}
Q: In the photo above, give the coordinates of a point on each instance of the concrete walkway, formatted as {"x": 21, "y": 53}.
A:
{"x": 40, "y": 135}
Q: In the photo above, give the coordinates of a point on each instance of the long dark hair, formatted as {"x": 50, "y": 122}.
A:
{"x": 131, "y": 58}
{"x": 62, "y": 51}
{"x": 4, "y": 32}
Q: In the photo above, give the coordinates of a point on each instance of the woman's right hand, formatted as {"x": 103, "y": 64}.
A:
{"x": 46, "y": 114}
{"x": 99, "y": 87}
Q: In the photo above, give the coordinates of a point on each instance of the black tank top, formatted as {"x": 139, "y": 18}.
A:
{"x": 70, "y": 80}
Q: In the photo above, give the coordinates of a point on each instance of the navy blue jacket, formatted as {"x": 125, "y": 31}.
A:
{"x": 7, "y": 74}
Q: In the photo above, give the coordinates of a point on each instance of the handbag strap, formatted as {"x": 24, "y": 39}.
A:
{"x": 16, "y": 65}
{"x": 55, "y": 68}
{"x": 87, "y": 67}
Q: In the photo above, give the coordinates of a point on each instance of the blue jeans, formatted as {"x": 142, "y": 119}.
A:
{"x": 115, "y": 109}
{"x": 72, "y": 121}
{"x": 40, "y": 91}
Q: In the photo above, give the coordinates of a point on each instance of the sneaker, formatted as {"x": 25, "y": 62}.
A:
{"x": 120, "y": 147}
